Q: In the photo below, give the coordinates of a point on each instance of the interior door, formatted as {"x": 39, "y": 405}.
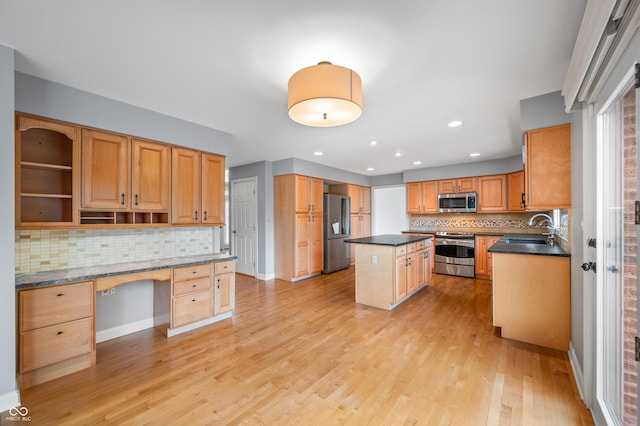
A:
{"x": 244, "y": 229}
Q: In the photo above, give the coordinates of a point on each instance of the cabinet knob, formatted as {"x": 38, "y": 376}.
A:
{"x": 60, "y": 332}
{"x": 59, "y": 294}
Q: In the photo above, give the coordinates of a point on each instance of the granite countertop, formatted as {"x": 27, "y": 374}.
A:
{"x": 523, "y": 248}
{"x": 388, "y": 239}
{"x": 62, "y": 276}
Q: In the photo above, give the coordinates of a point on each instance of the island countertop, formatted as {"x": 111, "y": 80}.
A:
{"x": 63, "y": 276}
{"x": 394, "y": 240}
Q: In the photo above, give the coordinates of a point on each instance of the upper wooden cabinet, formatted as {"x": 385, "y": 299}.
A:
{"x": 197, "y": 186}
{"x": 308, "y": 196}
{"x": 492, "y": 193}
{"x": 422, "y": 197}
{"x": 452, "y": 186}
{"x": 151, "y": 175}
{"x": 515, "y": 191}
{"x": 47, "y": 173}
{"x": 547, "y": 168}
{"x": 105, "y": 170}
{"x": 360, "y": 199}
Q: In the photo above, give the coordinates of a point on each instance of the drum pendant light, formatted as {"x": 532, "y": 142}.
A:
{"x": 325, "y": 95}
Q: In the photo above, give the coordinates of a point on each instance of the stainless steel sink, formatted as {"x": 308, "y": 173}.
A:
{"x": 525, "y": 241}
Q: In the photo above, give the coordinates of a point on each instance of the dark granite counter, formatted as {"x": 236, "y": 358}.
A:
{"x": 63, "y": 276}
{"x": 388, "y": 239}
{"x": 502, "y": 246}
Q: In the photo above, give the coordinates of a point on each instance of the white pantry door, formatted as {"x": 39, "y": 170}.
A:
{"x": 244, "y": 241}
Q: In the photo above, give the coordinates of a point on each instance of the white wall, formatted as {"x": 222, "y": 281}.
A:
{"x": 388, "y": 209}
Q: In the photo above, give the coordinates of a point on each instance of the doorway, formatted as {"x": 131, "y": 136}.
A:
{"x": 244, "y": 216}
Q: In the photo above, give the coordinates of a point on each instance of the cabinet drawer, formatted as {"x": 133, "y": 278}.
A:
{"x": 411, "y": 248}
{"x": 420, "y": 245}
{"x": 224, "y": 267}
{"x": 401, "y": 250}
{"x": 192, "y": 272}
{"x": 54, "y": 305}
{"x": 191, "y": 308}
{"x": 191, "y": 286}
{"x": 48, "y": 345}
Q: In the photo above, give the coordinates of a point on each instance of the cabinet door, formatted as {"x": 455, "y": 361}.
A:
{"x": 190, "y": 308}
{"x": 492, "y": 193}
{"x": 365, "y": 225}
{"x": 316, "y": 237}
{"x": 430, "y": 196}
{"x": 401, "y": 278}
{"x": 185, "y": 186}
{"x": 302, "y": 184}
{"x": 548, "y": 168}
{"x": 356, "y": 198}
{"x": 316, "y": 191}
{"x": 224, "y": 293}
{"x": 490, "y": 241}
{"x": 447, "y": 186}
{"x": 482, "y": 269}
{"x": 515, "y": 191}
{"x": 414, "y": 197}
{"x": 412, "y": 272}
{"x": 105, "y": 170}
{"x": 428, "y": 263}
{"x": 365, "y": 199}
{"x": 151, "y": 175}
{"x": 213, "y": 186}
{"x": 467, "y": 184}
{"x": 302, "y": 253}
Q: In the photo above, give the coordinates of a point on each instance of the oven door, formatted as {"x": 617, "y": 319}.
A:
{"x": 456, "y": 251}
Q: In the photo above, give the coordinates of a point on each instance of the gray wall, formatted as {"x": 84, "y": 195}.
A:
{"x": 49, "y": 99}
{"x": 308, "y": 168}
{"x": 8, "y": 389}
{"x": 478, "y": 168}
{"x": 542, "y": 111}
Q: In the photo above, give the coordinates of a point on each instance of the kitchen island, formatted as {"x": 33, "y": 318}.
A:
{"x": 391, "y": 268}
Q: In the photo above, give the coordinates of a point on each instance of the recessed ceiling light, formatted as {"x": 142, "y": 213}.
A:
{"x": 374, "y": 143}
{"x": 370, "y": 169}
{"x": 417, "y": 163}
{"x": 318, "y": 153}
{"x": 475, "y": 154}
{"x": 455, "y": 123}
{"x": 398, "y": 154}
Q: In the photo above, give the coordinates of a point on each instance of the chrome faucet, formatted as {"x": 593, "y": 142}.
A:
{"x": 551, "y": 227}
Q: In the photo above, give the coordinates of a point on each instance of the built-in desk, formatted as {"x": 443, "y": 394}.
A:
{"x": 56, "y": 309}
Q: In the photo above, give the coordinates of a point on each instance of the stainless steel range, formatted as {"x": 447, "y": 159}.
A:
{"x": 455, "y": 254}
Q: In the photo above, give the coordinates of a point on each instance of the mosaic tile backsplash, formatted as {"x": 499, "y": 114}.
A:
{"x": 45, "y": 250}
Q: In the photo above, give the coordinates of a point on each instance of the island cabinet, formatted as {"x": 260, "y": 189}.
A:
{"x": 388, "y": 274}
{"x": 55, "y": 332}
{"x": 452, "y": 186}
{"x": 299, "y": 250}
{"x": 531, "y": 298}
{"x": 197, "y": 187}
{"x": 492, "y": 193}
{"x": 47, "y": 173}
{"x": 422, "y": 197}
{"x": 482, "y": 255}
{"x": 547, "y": 168}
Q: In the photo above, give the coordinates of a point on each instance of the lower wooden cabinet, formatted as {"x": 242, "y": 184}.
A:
{"x": 56, "y": 332}
{"x": 483, "y": 257}
{"x": 224, "y": 295}
{"x": 192, "y": 299}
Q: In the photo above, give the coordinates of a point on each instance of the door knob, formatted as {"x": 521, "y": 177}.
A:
{"x": 589, "y": 266}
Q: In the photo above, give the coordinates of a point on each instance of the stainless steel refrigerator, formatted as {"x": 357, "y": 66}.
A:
{"x": 337, "y": 226}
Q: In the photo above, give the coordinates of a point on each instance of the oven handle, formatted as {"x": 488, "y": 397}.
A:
{"x": 454, "y": 242}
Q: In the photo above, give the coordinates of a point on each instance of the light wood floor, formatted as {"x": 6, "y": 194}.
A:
{"x": 305, "y": 353}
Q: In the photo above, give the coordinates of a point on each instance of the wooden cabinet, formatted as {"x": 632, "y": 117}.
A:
{"x": 360, "y": 199}
{"x": 192, "y": 300}
{"x": 224, "y": 298}
{"x": 515, "y": 192}
{"x": 531, "y": 299}
{"x": 150, "y": 175}
{"x": 547, "y": 168}
{"x": 482, "y": 255}
{"x": 422, "y": 197}
{"x": 298, "y": 226}
{"x": 452, "y": 186}
{"x": 55, "y": 332}
{"x": 406, "y": 269}
{"x": 47, "y": 173}
{"x": 492, "y": 193}
{"x": 105, "y": 170}
{"x": 423, "y": 261}
{"x": 197, "y": 187}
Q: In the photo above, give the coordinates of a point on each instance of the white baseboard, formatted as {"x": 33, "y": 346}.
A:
{"x": 577, "y": 371}
{"x": 122, "y": 330}
{"x": 174, "y": 331}
{"x": 266, "y": 277}
{"x": 9, "y": 400}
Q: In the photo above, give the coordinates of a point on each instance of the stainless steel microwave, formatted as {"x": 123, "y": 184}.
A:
{"x": 457, "y": 203}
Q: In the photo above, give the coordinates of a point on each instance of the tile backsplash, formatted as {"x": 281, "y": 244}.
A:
{"x": 46, "y": 250}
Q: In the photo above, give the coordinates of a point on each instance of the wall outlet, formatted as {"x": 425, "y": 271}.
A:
{"x": 105, "y": 292}
{"x": 374, "y": 260}
{"x": 112, "y": 290}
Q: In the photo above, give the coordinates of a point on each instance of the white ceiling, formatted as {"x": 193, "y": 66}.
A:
{"x": 226, "y": 65}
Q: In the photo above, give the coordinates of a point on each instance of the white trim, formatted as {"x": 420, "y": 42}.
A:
{"x": 266, "y": 277}
{"x": 577, "y": 371}
{"x": 123, "y": 330}
{"x": 173, "y": 331}
{"x": 9, "y": 400}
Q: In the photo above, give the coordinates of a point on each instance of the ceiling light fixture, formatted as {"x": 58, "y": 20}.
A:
{"x": 374, "y": 143}
{"x": 475, "y": 154}
{"x": 318, "y": 153}
{"x": 455, "y": 123}
{"x": 325, "y": 95}
{"x": 370, "y": 169}
{"x": 417, "y": 163}
{"x": 398, "y": 154}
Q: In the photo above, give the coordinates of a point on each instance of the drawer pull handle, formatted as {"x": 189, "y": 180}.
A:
{"x": 194, "y": 286}
{"x": 59, "y": 294}
{"x": 60, "y": 332}
{"x": 194, "y": 300}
